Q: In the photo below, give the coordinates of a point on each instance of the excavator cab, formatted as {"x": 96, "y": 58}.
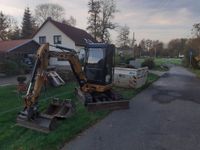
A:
{"x": 99, "y": 72}
{"x": 99, "y": 63}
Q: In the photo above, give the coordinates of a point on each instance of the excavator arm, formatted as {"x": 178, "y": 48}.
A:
{"x": 71, "y": 56}
{"x": 37, "y": 80}
{"x": 74, "y": 63}
{"x": 39, "y": 74}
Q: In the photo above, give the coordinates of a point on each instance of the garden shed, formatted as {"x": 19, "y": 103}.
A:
{"x": 23, "y": 47}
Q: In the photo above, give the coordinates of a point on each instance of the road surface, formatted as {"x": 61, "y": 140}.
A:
{"x": 166, "y": 116}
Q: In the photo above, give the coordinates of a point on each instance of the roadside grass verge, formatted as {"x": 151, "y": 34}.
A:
{"x": 165, "y": 61}
{"x": 19, "y": 138}
{"x": 196, "y": 71}
{"x": 162, "y": 64}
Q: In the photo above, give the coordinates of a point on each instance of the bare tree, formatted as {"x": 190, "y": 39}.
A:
{"x": 196, "y": 30}
{"x": 123, "y": 37}
{"x": 146, "y": 46}
{"x": 101, "y": 18}
{"x": 8, "y": 25}
{"x": 149, "y": 44}
{"x": 4, "y": 26}
{"x": 176, "y": 46}
{"x": 108, "y": 11}
{"x": 71, "y": 21}
{"x": 43, "y": 11}
{"x": 94, "y": 18}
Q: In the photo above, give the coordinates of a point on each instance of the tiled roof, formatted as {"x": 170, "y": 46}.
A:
{"x": 7, "y": 46}
{"x": 76, "y": 34}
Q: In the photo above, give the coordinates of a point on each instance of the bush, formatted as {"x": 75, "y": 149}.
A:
{"x": 149, "y": 62}
{"x": 24, "y": 68}
{"x": 12, "y": 67}
{"x": 9, "y": 67}
{"x": 194, "y": 47}
{"x": 117, "y": 60}
{"x": 129, "y": 59}
{"x": 21, "y": 79}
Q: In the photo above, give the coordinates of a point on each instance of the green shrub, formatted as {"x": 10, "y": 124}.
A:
{"x": 24, "y": 68}
{"x": 9, "y": 67}
{"x": 129, "y": 59}
{"x": 149, "y": 62}
{"x": 21, "y": 79}
{"x": 117, "y": 59}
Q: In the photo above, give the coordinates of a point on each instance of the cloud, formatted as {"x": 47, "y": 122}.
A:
{"x": 10, "y": 10}
{"x": 154, "y": 19}
{"x": 161, "y": 19}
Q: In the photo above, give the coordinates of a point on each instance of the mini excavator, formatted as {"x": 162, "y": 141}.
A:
{"x": 95, "y": 85}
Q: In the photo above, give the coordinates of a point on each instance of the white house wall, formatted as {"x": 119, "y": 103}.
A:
{"x": 49, "y": 30}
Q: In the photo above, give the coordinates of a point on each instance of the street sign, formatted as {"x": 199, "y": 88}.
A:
{"x": 190, "y": 53}
{"x": 191, "y": 57}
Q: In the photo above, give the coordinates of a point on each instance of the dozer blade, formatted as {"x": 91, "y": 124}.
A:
{"x": 99, "y": 104}
{"x": 43, "y": 123}
{"x": 60, "y": 108}
{"x": 110, "y": 105}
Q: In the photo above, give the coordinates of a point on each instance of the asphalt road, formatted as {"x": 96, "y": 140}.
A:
{"x": 166, "y": 116}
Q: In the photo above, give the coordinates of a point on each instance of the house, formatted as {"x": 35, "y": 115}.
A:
{"x": 25, "y": 48}
{"x": 57, "y": 33}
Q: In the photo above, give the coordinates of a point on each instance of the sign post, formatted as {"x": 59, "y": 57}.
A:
{"x": 190, "y": 58}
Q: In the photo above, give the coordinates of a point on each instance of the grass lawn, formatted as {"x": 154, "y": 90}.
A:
{"x": 163, "y": 61}
{"x": 19, "y": 138}
{"x": 196, "y": 71}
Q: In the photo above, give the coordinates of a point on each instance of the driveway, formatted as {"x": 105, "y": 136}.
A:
{"x": 166, "y": 116}
{"x": 11, "y": 80}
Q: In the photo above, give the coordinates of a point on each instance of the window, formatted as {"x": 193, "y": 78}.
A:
{"x": 57, "y": 39}
{"x": 95, "y": 55}
{"x": 42, "y": 39}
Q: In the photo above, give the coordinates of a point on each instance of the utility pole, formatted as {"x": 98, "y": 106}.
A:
{"x": 133, "y": 44}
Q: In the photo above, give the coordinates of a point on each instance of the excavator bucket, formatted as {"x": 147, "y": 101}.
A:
{"x": 60, "y": 108}
{"x": 102, "y": 101}
{"x": 46, "y": 121}
{"x": 42, "y": 123}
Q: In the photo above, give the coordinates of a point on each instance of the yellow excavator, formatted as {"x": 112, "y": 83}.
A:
{"x": 95, "y": 85}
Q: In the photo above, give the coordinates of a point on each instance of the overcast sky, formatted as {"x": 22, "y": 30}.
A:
{"x": 155, "y": 19}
